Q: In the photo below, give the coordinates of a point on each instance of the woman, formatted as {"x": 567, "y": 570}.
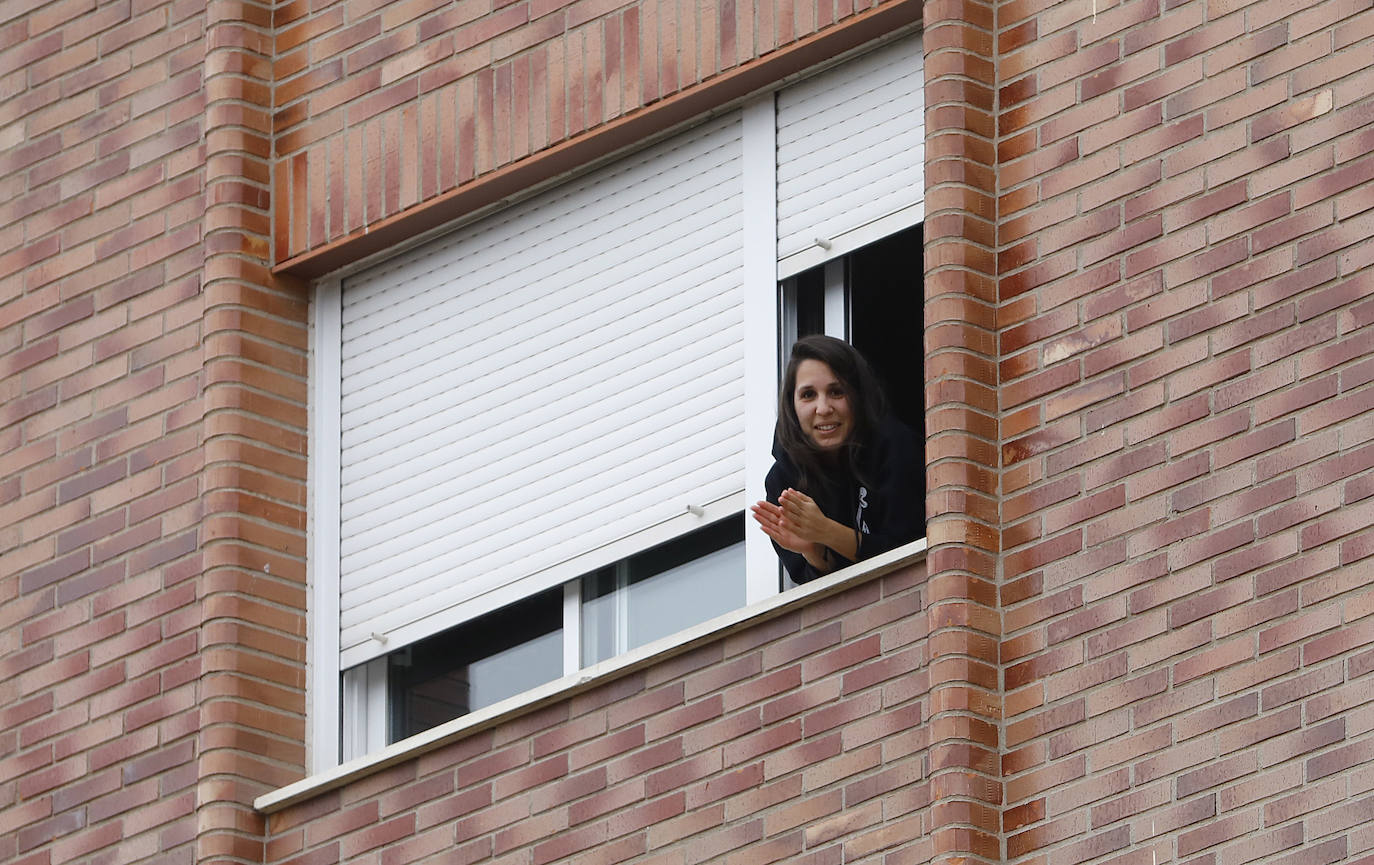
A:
{"x": 845, "y": 485}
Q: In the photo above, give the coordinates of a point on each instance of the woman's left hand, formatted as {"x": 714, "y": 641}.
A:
{"x": 803, "y": 516}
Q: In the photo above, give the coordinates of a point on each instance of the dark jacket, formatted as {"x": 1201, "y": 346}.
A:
{"x": 886, "y": 515}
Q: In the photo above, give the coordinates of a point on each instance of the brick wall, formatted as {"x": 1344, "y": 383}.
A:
{"x": 1186, "y": 206}
{"x": 150, "y": 457}
{"x": 100, "y": 332}
{"x": 961, "y": 428}
{"x": 254, "y": 362}
{"x": 383, "y": 106}
{"x": 801, "y": 739}
{"x": 1148, "y": 339}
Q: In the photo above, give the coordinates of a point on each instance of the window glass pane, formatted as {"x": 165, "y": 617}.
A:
{"x": 662, "y": 591}
{"x": 599, "y": 600}
{"x": 686, "y": 595}
{"x": 475, "y": 664}
{"x": 519, "y": 668}
{"x": 810, "y": 304}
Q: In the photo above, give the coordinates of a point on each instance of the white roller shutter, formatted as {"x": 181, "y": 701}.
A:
{"x": 851, "y": 147}
{"x": 559, "y": 377}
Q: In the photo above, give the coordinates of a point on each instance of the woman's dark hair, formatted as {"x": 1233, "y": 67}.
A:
{"x": 867, "y": 404}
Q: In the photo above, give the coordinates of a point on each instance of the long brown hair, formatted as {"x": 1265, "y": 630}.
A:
{"x": 867, "y": 405}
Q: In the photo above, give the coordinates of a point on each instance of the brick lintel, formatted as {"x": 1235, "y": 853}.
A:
{"x": 604, "y": 140}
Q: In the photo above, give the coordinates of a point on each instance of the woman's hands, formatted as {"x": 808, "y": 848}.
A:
{"x": 796, "y": 523}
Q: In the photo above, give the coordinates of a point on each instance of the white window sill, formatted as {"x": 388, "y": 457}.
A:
{"x": 585, "y": 679}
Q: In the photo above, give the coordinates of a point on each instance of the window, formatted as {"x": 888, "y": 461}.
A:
{"x": 873, "y": 298}
{"x": 529, "y": 435}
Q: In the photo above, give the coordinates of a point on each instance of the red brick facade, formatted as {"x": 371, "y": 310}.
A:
{"x": 961, "y": 429}
{"x": 1144, "y": 631}
{"x": 1186, "y": 204}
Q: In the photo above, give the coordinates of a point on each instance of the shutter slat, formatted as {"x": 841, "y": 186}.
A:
{"x": 555, "y": 337}
{"x": 637, "y": 413}
{"x": 537, "y": 227}
{"x": 484, "y": 538}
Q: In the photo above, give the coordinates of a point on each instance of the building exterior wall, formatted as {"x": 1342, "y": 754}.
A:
{"x": 963, "y": 526}
{"x": 459, "y": 91}
{"x": 1186, "y": 200}
{"x": 1142, "y": 631}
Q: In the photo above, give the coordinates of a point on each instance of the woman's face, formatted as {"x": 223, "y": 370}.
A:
{"x": 822, "y": 405}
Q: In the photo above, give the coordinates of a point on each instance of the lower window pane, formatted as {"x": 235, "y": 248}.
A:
{"x": 662, "y": 591}
{"x": 476, "y": 664}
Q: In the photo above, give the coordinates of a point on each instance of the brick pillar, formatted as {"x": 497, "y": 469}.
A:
{"x": 962, "y": 430}
{"x": 253, "y": 595}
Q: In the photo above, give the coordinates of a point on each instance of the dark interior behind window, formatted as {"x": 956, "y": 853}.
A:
{"x": 887, "y": 319}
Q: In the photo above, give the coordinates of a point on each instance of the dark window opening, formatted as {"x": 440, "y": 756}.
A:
{"x": 887, "y": 319}
{"x": 885, "y": 296}
{"x": 810, "y": 300}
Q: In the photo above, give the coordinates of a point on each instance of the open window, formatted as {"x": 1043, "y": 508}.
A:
{"x": 872, "y": 298}
{"x": 535, "y": 438}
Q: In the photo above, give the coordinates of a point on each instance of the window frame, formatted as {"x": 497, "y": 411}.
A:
{"x": 325, "y": 715}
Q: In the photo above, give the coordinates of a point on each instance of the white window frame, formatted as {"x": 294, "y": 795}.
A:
{"x": 323, "y": 686}
{"x": 761, "y": 317}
